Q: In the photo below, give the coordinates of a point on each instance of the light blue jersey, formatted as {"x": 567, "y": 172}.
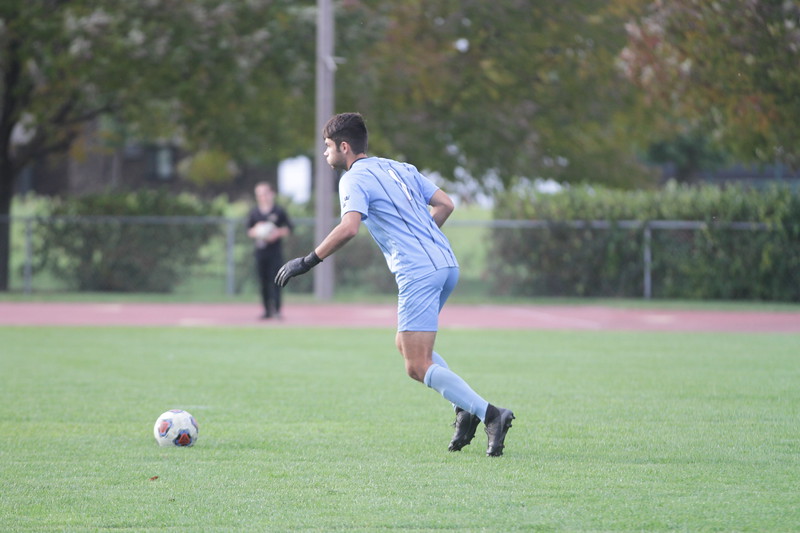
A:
{"x": 392, "y": 198}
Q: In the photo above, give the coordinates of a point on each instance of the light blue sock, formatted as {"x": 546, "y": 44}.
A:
{"x": 439, "y": 360}
{"x": 453, "y": 388}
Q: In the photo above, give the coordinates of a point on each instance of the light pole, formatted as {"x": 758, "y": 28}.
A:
{"x": 324, "y": 282}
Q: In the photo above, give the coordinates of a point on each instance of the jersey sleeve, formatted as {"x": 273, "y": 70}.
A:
{"x": 425, "y": 185}
{"x": 353, "y": 196}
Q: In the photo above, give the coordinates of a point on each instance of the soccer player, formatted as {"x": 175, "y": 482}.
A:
{"x": 403, "y": 212}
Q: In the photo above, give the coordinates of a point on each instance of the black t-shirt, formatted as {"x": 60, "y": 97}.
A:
{"x": 278, "y": 216}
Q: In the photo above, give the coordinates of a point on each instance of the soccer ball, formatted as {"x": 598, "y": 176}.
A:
{"x": 264, "y": 230}
{"x": 176, "y": 427}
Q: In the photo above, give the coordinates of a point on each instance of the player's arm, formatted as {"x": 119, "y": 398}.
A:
{"x": 283, "y": 229}
{"x": 338, "y": 237}
{"x": 441, "y": 207}
{"x": 251, "y": 226}
{"x": 285, "y": 224}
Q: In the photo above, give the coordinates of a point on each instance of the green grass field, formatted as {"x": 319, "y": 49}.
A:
{"x": 320, "y": 430}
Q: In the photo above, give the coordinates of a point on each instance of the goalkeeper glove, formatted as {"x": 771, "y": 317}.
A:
{"x": 295, "y": 267}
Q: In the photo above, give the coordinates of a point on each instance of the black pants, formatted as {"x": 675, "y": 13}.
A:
{"x": 267, "y": 265}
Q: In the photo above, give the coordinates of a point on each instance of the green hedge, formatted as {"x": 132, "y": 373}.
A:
{"x": 91, "y": 246}
{"x": 88, "y": 243}
{"x": 714, "y": 262}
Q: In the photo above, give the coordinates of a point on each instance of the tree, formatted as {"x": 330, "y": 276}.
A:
{"x": 728, "y": 68}
{"x": 227, "y": 75}
{"x": 492, "y": 89}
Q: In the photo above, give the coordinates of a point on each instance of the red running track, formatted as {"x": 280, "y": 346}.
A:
{"x": 375, "y": 315}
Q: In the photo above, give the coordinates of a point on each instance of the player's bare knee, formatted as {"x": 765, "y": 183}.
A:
{"x": 416, "y": 371}
{"x": 415, "y": 374}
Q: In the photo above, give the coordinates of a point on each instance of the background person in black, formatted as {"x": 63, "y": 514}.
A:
{"x": 267, "y": 224}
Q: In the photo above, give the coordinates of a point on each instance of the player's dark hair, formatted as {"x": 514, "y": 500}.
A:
{"x": 349, "y": 128}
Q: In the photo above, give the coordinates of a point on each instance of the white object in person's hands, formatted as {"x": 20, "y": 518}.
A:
{"x": 263, "y": 230}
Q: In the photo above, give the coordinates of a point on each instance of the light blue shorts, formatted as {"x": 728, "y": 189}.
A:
{"x": 419, "y": 301}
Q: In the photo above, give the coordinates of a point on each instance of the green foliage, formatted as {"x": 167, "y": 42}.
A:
{"x": 504, "y": 89}
{"x": 89, "y": 243}
{"x": 727, "y": 67}
{"x": 565, "y": 258}
{"x": 208, "y": 167}
{"x": 207, "y": 71}
{"x": 688, "y": 153}
{"x": 228, "y": 75}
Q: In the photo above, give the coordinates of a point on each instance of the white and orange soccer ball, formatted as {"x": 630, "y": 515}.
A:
{"x": 176, "y": 427}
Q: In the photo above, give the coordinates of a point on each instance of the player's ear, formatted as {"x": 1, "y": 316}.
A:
{"x": 344, "y": 147}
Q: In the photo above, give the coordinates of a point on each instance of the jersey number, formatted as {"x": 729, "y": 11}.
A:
{"x": 401, "y": 183}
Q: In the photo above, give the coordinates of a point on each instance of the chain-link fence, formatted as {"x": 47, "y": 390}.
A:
{"x": 650, "y": 259}
{"x": 212, "y": 256}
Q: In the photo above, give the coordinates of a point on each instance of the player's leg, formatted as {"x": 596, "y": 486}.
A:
{"x": 465, "y": 423}
{"x": 418, "y": 319}
{"x": 418, "y": 309}
{"x": 447, "y": 288}
{"x": 416, "y": 347}
{"x": 264, "y": 281}
{"x": 417, "y": 350}
{"x": 274, "y": 263}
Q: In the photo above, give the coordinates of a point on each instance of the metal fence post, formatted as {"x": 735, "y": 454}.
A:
{"x": 230, "y": 259}
{"x": 648, "y": 261}
{"x": 27, "y": 268}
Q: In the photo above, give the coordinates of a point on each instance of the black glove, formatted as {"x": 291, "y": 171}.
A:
{"x": 295, "y": 267}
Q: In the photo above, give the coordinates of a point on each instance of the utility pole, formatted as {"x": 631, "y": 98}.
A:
{"x": 324, "y": 282}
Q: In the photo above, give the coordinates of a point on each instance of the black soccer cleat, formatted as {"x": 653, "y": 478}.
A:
{"x": 496, "y": 429}
{"x": 466, "y": 423}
